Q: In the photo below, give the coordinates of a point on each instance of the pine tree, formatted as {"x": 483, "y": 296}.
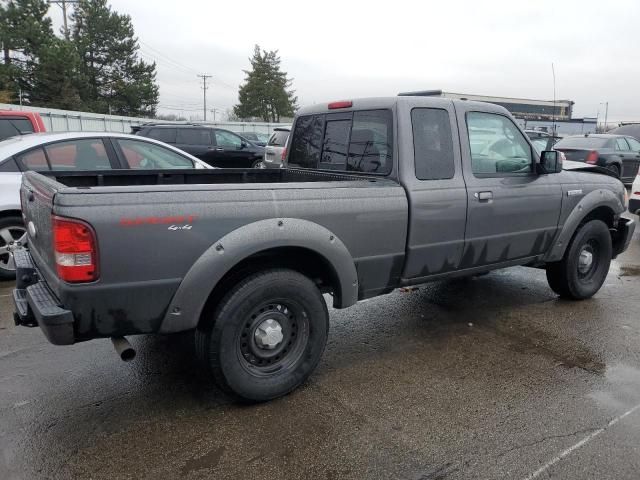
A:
{"x": 116, "y": 80}
{"x": 265, "y": 93}
{"x": 25, "y": 30}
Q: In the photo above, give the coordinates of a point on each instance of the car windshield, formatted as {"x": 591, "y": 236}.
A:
{"x": 581, "y": 142}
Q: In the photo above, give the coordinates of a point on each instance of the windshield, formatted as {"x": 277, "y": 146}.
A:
{"x": 582, "y": 143}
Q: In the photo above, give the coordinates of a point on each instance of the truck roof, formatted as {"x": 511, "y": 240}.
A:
{"x": 388, "y": 102}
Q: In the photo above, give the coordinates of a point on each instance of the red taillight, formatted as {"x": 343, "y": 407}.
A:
{"x": 341, "y": 104}
{"x": 74, "y": 245}
{"x": 592, "y": 157}
{"x": 283, "y": 156}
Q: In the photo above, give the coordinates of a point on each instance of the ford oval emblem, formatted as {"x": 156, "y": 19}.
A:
{"x": 32, "y": 229}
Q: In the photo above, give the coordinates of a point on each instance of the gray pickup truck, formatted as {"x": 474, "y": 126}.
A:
{"x": 378, "y": 194}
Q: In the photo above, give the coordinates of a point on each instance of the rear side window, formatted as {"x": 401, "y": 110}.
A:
{"x": 193, "y": 136}
{"x": 85, "y": 154}
{"x": 359, "y": 142}
{"x": 10, "y": 127}
{"x": 307, "y": 141}
{"x": 278, "y": 139}
{"x": 166, "y": 135}
{"x": 432, "y": 144}
{"x": 621, "y": 144}
{"x": 34, "y": 160}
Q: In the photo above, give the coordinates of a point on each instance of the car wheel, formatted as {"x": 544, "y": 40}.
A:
{"x": 615, "y": 169}
{"x": 585, "y": 264}
{"x": 266, "y": 336}
{"x": 13, "y": 235}
{"x": 258, "y": 164}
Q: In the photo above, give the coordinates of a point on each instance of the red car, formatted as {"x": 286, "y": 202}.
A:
{"x": 14, "y": 123}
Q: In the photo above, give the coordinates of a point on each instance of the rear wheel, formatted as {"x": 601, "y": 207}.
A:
{"x": 266, "y": 336}
{"x": 585, "y": 264}
{"x": 13, "y": 236}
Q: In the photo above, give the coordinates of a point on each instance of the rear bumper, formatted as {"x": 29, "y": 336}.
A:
{"x": 36, "y": 305}
{"x": 625, "y": 230}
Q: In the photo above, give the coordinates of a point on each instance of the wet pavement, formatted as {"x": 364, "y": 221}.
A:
{"x": 491, "y": 377}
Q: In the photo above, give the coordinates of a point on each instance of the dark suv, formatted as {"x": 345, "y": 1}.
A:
{"x": 215, "y": 146}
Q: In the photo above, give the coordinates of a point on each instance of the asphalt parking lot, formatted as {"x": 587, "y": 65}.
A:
{"x": 491, "y": 377}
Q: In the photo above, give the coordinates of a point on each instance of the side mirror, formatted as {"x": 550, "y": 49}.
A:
{"x": 550, "y": 161}
{"x": 243, "y": 145}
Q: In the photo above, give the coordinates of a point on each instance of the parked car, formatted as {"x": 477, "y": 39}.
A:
{"x": 378, "y": 193}
{"x": 215, "y": 146}
{"x": 634, "y": 197}
{"x": 618, "y": 153}
{"x": 70, "y": 151}
{"x": 542, "y": 141}
{"x": 14, "y": 123}
{"x": 275, "y": 151}
{"x": 630, "y": 130}
{"x": 256, "y": 138}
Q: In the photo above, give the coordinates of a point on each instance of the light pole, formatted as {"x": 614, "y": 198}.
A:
{"x": 606, "y": 114}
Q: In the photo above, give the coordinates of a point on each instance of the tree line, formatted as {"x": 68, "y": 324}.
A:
{"x": 95, "y": 67}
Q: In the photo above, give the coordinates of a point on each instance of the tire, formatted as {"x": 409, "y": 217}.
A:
{"x": 248, "y": 362}
{"x": 12, "y": 236}
{"x": 584, "y": 267}
{"x": 615, "y": 169}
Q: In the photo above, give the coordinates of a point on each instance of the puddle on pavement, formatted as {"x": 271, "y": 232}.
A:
{"x": 623, "y": 389}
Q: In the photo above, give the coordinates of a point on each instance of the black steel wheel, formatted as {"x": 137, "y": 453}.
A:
{"x": 266, "y": 336}
{"x": 585, "y": 264}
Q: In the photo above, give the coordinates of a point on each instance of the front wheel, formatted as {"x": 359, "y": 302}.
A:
{"x": 266, "y": 336}
{"x": 585, "y": 264}
{"x": 13, "y": 236}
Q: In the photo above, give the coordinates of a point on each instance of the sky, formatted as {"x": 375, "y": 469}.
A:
{"x": 339, "y": 49}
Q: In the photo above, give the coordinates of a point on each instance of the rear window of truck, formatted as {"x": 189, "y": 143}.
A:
{"x": 360, "y": 141}
{"x": 11, "y": 127}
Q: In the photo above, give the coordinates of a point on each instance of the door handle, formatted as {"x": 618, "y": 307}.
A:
{"x": 483, "y": 196}
{"x": 217, "y": 149}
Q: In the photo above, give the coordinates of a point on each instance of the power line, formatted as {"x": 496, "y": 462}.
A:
{"x": 204, "y": 78}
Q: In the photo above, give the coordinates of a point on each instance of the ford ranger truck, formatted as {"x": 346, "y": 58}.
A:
{"x": 378, "y": 193}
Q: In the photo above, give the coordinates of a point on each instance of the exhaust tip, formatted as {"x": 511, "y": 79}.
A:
{"x": 123, "y": 348}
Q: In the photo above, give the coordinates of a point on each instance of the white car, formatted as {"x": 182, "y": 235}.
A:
{"x": 71, "y": 151}
{"x": 275, "y": 150}
{"x": 634, "y": 198}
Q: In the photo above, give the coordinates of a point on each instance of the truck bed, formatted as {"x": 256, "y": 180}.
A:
{"x": 116, "y": 178}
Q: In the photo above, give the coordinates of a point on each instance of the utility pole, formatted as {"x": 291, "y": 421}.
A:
{"x": 204, "y": 78}
{"x": 214, "y": 110}
{"x": 606, "y": 114}
{"x": 63, "y": 4}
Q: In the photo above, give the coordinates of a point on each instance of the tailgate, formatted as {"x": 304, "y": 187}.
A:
{"x": 36, "y": 196}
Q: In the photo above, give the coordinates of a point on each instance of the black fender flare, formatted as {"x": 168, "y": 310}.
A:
{"x": 595, "y": 199}
{"x": 189, "y": 300}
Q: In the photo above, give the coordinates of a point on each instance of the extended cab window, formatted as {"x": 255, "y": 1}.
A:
{"x": 497, "y": 146}
{"x": 33, "y": 160}
{"x": 432, "y": 144}
{"x": 86, "y": 154}
{"x": 361, "y": 141}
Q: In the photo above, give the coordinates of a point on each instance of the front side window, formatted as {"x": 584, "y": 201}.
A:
{"x": 85, "y": 154}
{"x": 432, "y": 144}
{"x": 149, "y": 156}
{"x": 228, "y": 140}
{"x": 34, "y": 160}
{"x": 621, "y": 144}
{"x": 194, "y": 136}
{"x": 497, "y": 146}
